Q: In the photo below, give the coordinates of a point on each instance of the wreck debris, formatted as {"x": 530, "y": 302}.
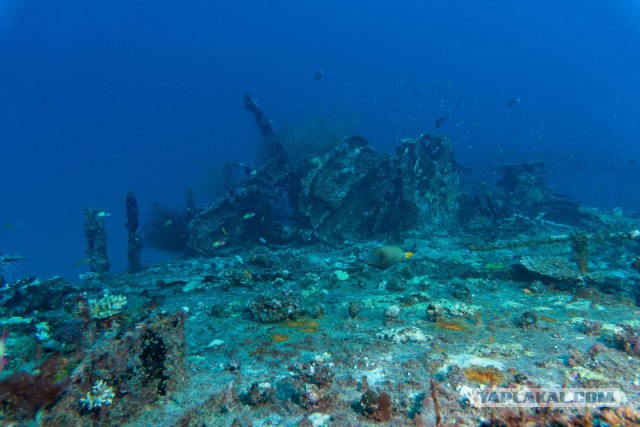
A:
{"x": 340, "y": 192}
{"x": 425, "y": 171}
{"x": 134, "y": 241}
{"x": 6, "y": 259}
{"x": 347, "y": 193}
{"x": 524, "y": 184}
{"x": 96, "y": 241}
{"x": 351, "y": 192}
{"x": 273, "y": 146}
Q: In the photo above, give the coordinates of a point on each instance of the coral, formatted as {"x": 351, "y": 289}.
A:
{"x": 375, "y": 406}
{"x": 154, "y": 361}
{"x": 434, "y": 312}
{"x": 552, "y": 267}
{"x": 107, "y": 306}
{"x": 274, "y": 309}
{"x": 392, "y": 312}
{"x": 318, "y": 372}
{"x": 144, "y": 360}
{"x": 258, "y": 394}
{"x": 628, "y": 340}
{"x": 404, "y": 335}
{"x": 100, "y": 395}
{"x": 592, "y": 327}
{"x": 22, "y": 394}
{"x": 340, "y": 275}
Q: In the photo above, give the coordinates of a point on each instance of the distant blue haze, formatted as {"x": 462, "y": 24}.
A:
{"x": 100, "y": 97}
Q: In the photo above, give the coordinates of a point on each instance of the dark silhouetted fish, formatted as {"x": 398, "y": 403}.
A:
{"x": 439, "y": 121}
{"x": 318, "y": 75}
{"x": 513, "y": 101}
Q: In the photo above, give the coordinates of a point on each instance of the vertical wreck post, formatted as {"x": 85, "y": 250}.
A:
{"x": 274, "y": 148}
{"x": 96, "y": 241}
{"x": 134, "y": 243}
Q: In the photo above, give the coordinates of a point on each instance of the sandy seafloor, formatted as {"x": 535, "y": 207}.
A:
{"x": 424, "y": 332}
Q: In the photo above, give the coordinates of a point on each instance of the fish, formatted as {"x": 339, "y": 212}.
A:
{"x": 248, "y": 215}
{"x": 219, "y": 243}
{"x": 318, "y": 75}
{"x": 224, "y": 231}
{"x": 83, "y": 261}
{"x": 512, "y": 102}
{"x": 248, "y": 275}
{"x": 387, "y": 256}
{"x": 103, "y": 214}
{"x": 439, "y": 121}
{"x": 168, "y": 222}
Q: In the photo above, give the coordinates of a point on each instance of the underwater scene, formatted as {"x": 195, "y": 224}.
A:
{"x": 336, "y": 213}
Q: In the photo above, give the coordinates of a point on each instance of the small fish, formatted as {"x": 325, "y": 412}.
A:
{"x": 8, "y": 226}
{"x": 262, "y": 240}
{"x": 248, "y": 275}
{"x": 219, "y": 243}
{"x": 439, "y": 121}
{"x": 248, "y": 215}
{"x": 512, "y": 102}
{"x": 83, "y": 261}
{"x": 168, "y": 222}
{"x": 224, "y": 231}
{"x": 103, "y": 214}
{"x": 527, "y": 291}
{"x": 318, "y": 75}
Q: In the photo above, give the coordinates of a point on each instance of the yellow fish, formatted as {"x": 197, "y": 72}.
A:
{"x": 83, "y": 261}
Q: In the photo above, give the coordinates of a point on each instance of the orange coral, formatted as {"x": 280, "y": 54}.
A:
{"x": 483, "y": 375}
{"x": 451, "y": 325}
{"x": 280, "y": 337}
{"x": 307, "y": 326}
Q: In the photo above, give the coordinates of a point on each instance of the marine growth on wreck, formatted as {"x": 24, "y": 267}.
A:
{"x": 346, "y": 288}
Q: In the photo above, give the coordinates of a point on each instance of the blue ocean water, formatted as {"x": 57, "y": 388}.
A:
{"x": 103, "y": 97}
